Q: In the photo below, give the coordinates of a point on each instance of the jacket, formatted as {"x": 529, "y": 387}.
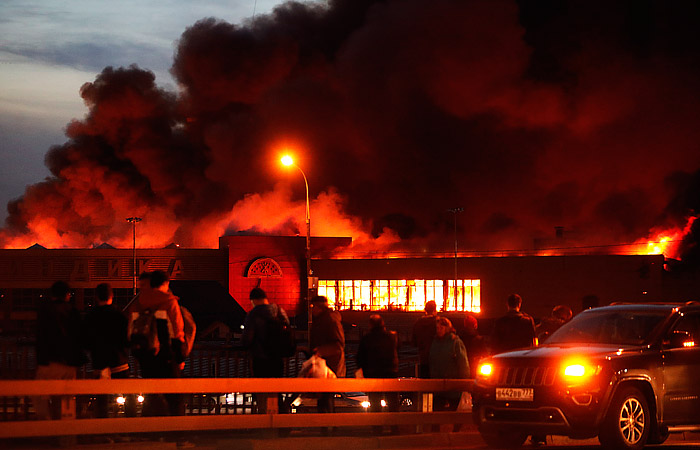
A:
{"x": 157, "y": 300}
{"x": 59, "y": 334}
{"x": 514, "y": 330}
{"x": 377, "y": 355}
{"x": 328, "y": 337}
{"x": 255, "y": 329}
{"x": 448, "y": 357}
{"x": 106, "y": 338}
{"x": 423, "y": 334}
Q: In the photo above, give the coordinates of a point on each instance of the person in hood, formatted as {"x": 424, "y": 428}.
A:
{"x": 448, "y": 359}
{"x": 168, "y": 361}
{"x": 327, "y": 341}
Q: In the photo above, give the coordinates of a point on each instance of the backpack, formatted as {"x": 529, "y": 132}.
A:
{"x": 143, "y": 332}
{"x": 190, "y": 331}
{"x": 280, "y": 337}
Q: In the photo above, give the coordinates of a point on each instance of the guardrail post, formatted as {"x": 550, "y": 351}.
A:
{"x": 67, "y": 413}
{"x": 267, "y": 404}
{"x": 425, "y": 404}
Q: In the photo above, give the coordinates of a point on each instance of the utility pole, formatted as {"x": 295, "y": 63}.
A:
{"x": 134, "y": 220}
{"x": 455, "y": 211}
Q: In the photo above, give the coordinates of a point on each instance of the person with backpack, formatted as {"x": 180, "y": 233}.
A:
{"x": 263, "y": 330}
{"x": 157, "y": 333}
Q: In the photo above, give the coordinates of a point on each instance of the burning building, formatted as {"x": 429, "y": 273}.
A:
{"x": 214, "y": 283}
{"x": 398, "y": 110}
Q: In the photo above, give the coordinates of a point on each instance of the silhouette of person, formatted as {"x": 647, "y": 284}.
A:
{"x": 513, "y": 330}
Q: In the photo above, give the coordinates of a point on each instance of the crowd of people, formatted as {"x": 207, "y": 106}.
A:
{"x": 159, "y": 332}
{"x": 106, "y": 334}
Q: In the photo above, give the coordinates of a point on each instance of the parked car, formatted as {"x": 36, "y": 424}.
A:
{"x": 625, "y": 373}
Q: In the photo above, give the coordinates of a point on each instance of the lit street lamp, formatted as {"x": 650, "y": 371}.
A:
{"x": 288, "y": 161}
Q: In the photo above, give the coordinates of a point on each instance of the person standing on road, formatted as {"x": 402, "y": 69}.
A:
{"x": 560, "y": 315}
{"x": 473, "y": 342}
{"x": 258, "y": 338}
{"x": 327, "y": 340}
{"x": 378, "y": 357}
{"x": 106, "y": 338}
{"x": 59, "y": 351}
{"x": 448, "y": 359}
{"x": 167, "y": 361}
{"x": 513, "y": 330}
{"x": 423, "y": 334}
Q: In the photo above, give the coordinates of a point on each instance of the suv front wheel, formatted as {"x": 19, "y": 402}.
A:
{"x": 628, "y": 421}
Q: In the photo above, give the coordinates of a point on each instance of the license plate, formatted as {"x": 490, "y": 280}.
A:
{"x": 515, "y": 394}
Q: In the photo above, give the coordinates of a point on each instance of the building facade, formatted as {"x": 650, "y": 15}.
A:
{"x": 217, "y": 281}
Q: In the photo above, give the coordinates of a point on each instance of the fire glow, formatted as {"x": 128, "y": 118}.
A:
{"x": 664, "y": 242}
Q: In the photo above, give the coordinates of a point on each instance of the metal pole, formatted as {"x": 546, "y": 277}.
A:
{"x": 455, "y": 211}
{"x": 309, "y": 272}
{"x": 133, "y": 221}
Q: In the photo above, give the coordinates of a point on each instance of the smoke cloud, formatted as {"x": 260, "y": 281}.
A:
{"x": 529, "y": 115}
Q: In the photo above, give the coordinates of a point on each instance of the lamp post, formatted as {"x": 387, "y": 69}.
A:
{"x": 456, "y": 211}
{"x": 134, "y": 220}
{"x": 288, "y": 161}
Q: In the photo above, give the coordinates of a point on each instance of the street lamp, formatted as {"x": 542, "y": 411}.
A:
{"x": 134, "y": 221}
{"x": 456, "y": 211}
{"x": 289, "y": 161}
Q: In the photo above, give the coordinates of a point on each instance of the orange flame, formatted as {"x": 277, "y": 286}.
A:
{"x": 664, "y": 241}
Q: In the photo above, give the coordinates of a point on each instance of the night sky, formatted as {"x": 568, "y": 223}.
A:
{"x": 529, "y": 115}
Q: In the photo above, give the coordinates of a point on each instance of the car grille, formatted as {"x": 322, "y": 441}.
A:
{"x": 525, "y": 376}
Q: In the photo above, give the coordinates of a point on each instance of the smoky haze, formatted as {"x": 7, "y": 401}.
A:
{"x": 529, "y": 115}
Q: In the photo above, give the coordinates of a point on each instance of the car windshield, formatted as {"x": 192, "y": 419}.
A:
{"x": 614, "y": 327}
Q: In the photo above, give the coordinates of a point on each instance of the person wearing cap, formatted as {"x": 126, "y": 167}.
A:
{"x": 327, "y": 340}
{"x": 255, "y": 335}
{"x": 256, "y": 338}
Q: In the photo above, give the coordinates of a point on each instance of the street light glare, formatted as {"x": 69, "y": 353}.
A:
{"x": 287, "y": 160}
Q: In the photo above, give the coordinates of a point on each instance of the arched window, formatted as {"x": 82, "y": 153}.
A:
{"x": 264, "y": 268}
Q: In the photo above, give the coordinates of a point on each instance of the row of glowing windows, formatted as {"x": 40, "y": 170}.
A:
{"x": 402, "y": 295}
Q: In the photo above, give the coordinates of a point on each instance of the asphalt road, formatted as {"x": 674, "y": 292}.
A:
{"x": 469, "y": 439}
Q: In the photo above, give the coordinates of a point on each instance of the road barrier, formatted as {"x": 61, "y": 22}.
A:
{"x": 421, "y": 413}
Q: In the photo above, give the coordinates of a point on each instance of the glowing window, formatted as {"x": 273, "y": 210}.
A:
{"x": 380, "y": 294}
{"x": 404, "y": 295}
{"x": 326, "y": 288}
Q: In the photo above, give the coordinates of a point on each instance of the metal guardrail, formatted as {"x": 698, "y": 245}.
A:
{"x": 272, "y": 420}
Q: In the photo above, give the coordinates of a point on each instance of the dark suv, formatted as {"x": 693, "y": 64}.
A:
{"x": 627, "y": 373}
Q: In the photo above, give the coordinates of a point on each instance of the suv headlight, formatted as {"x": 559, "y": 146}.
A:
{"x": 485, "y": 369}
{"x": 576, "y": 370}
{"x": 485, "y": 372}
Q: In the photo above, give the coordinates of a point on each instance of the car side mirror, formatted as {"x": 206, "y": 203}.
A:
{"x": 681, "y": 339}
